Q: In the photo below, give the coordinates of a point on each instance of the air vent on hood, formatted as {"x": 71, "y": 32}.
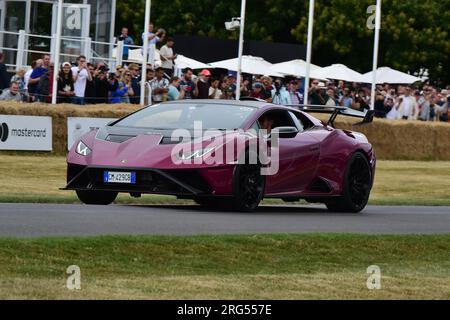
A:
{"x": 118, "y": 138}
{"x": 169, "y": 140}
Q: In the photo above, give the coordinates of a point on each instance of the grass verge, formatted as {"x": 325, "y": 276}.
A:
{"x": 37, "y": 179}
{"x": 315, "y": 266}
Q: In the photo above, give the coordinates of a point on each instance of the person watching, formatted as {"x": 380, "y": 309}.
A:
{"x": 127, "y": 41}
{"x": 65, "y": 84}
{"x": 331, "y": 99}
{"x": 80, "y": 77}
{"x": 159, "y": 86}
{"x": 315, "y": 96}
{"x": 12, "y": 94}
{"x": 168, "y": 57}
{"x": 174, "y": 92}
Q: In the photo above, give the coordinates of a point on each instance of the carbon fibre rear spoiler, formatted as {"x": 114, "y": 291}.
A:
{"x": 367, "y": 116}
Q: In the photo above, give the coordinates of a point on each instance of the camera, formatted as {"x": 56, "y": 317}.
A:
{"x": 234, "y": 24}
{"x": 277, "y": 85}
{"x": 112, "y": 76}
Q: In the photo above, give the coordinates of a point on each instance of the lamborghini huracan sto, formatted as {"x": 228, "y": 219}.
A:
{"x": 202, "y": 150}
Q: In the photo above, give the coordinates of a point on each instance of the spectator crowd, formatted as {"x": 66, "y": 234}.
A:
{"x": 84, "y": 82}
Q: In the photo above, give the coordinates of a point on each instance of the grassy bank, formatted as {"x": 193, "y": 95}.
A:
{"x": 227, "y": 267}
{"x": 37, "y": 178}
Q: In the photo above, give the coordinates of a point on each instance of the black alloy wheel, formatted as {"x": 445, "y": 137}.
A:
{"x": 248, "y": 187}
{"x": 357, "y": 186}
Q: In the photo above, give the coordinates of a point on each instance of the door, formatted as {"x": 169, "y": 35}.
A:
{"x": 298, "y": 157}
{"x": 75, "y": 29}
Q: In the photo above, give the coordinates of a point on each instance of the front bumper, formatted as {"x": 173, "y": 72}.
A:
{"x": 179, "y": 182}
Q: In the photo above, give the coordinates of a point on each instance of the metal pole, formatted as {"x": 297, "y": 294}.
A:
{"x": 241, "y": 49}
{"x": 27, "y": 30}
{"x": 145, "y": 50}
{"x": 375, "y": 53}
{"x": 308, "y": 49}
{"x": 113, "y": 25}
{"x": 57, "y": 51}
{"x": 88, "y": 48}
{"x": 20, "y": 49}
{"x": 119, "y": 53}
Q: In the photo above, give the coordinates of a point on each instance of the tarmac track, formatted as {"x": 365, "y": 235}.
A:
{"x": 47, "y": 220}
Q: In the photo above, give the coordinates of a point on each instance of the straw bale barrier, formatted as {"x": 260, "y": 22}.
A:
{"x": 405, "y": 140}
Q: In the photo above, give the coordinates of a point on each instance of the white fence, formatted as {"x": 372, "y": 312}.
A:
{"x": 18, "y": 54}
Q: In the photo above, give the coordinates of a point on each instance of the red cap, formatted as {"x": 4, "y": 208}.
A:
{"x": 205, "y": 72}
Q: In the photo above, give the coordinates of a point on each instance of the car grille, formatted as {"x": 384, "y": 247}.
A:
{"x": 177, "y": 182}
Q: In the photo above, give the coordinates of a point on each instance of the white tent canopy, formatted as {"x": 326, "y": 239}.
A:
{"x": 250, "y": 64}
{"x": 182, "y": 62}
{"x": 295, "y": 68}
{"x": 339, "y": 72}
{"x": 136, "y": 56}
{"x": 388, "y": 75}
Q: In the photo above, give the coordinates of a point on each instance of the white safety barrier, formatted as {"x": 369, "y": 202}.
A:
{"x": 25, "y": 133}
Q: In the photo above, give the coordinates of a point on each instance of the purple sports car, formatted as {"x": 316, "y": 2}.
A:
{"x": 226, "y": 153}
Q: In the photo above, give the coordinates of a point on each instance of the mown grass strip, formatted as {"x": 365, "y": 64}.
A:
{"x": 284, "y": 266}
{"x": 37, "y": 179}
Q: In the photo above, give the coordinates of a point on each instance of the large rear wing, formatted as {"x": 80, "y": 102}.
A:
{"x": 366, "y": 116}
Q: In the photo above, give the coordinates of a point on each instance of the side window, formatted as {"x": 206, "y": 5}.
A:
{"x": 297, "y": 122}
{"x": 304, "y": 121}
{"x": 255, "y": 126}
{"x": 279, "y": 118}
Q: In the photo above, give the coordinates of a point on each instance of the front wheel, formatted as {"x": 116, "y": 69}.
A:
{"x": 97, "y": 197}
{"x": 248, "y": 187}
{"x": 356, "y": 188}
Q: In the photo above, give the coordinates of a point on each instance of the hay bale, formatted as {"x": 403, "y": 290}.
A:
{"x": 408, "y": 140}
{"x": 61, "y": 112}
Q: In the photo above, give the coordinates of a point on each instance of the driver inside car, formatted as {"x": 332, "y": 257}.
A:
{"x": 266, "y": 123}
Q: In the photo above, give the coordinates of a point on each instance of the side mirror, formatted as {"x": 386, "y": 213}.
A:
{"x": 285, "y": 132}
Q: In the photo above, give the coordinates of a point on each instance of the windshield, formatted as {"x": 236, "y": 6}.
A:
{"x": 183, "y": 116}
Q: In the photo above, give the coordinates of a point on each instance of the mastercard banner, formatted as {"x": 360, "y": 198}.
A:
{"x": 28, "y": 133}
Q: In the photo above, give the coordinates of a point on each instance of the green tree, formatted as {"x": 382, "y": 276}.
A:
{"x": 414, "y": 34}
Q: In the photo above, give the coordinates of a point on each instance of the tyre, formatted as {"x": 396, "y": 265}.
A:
{"x": 97, "y": 197}
{"x": 248, "y": 187}
{"x": 356, "y": 187}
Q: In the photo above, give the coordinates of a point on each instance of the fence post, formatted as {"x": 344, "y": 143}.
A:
{"x": 119, "y": 53}
{"x": 53, "y": 47}
{"x": 88, "y": 49}
{"x": 20, "y": 50}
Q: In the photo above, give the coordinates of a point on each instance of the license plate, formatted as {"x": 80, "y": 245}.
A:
{"x": 119, "y": 177}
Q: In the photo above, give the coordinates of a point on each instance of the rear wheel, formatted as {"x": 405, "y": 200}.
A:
{"x": 356, "y": 188}
{"x": 97, "y": 197}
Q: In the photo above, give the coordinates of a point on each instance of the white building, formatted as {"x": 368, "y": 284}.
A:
{"x": 88, "y": 28}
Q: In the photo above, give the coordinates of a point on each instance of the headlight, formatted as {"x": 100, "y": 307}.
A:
{"x": 83, "y": 149}
{"x": 188, "y": 155}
